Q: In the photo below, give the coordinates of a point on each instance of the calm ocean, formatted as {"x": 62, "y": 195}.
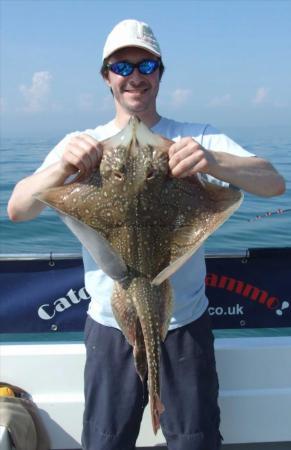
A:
{"x": 20, "y": 157}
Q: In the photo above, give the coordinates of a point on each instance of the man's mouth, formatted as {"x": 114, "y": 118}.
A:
{"x": 136, "y": 90}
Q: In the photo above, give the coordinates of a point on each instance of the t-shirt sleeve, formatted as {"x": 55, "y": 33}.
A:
{"x": 56, "y": 153}
{"x": 214, "y": 140}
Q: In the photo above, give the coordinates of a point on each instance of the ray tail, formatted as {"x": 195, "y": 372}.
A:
{"x": 146, "y": 299}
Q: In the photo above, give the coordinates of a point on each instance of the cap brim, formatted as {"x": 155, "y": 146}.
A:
{"x": 149, "y": 49}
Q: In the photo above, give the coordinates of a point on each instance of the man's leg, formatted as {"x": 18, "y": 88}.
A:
{"x": 114, "y": 395}
{"x": 189, "y": 387}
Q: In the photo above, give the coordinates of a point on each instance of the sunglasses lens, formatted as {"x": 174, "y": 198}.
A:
{"x": 148, "y": 66}
{"x": 122, "y": 68}
{"x": 125, "y": 68}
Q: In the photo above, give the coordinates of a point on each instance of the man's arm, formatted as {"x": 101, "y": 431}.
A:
{"x": 254, "y": 175}
{"x": 81, "y": 154}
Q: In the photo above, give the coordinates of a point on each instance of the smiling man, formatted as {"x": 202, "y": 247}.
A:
{"x": 133, "y": 92}
{"x": 115, "y": 397}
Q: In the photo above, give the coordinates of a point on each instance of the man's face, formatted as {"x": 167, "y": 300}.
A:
{"x": 135, "y": 93}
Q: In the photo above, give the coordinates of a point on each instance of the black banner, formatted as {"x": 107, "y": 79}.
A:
{"x": 42, "y": 295}
{"x": 244, "y": 292}
{"x": 250, "y": 292}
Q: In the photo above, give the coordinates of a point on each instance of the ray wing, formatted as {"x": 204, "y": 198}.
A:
{"x": 200, "y": 208}
{"x": 80, "y": 207}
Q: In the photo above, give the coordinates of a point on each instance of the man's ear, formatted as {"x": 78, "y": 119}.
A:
{"x": 107, "y": 82}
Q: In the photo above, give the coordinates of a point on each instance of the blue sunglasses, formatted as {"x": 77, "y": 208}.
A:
{"x": 125, "y": 68}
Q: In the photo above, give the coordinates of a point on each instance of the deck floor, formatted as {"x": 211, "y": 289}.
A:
{"x": 254, "y": 446}
{"x": 257, "y": 446}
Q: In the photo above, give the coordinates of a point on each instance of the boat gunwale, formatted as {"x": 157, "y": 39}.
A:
{"x": 56, "y": 256}
{"x": 230, "y": 254}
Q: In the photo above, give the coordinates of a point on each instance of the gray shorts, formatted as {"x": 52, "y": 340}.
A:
{"x": 115, "y": 397}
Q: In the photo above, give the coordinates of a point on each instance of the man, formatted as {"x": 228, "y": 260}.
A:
{"x": 114, "y": 395}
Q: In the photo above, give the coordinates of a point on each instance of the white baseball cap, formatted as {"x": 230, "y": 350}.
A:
{"x": 131, "y": 33}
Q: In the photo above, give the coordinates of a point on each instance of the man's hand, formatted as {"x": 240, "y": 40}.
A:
{"x": 187, "y": 157}
{"x": 82, "y": 154}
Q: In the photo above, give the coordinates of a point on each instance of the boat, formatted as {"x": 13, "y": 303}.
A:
{"x": 43, "y": 309}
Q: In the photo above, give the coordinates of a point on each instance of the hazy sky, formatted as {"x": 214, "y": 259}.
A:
{"x": 227, "y": 62}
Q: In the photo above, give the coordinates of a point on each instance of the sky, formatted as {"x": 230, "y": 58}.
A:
{"x": 228, "y": 63}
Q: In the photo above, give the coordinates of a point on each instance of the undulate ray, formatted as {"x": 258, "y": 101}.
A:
{"x": 141, "y": 225}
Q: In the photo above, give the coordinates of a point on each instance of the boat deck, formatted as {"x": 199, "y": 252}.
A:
{"x": 254, "y": 369}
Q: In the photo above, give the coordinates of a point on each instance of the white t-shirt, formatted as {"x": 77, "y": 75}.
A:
{"x": 187, "y": 283}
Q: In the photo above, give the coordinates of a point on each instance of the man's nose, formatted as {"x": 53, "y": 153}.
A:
{"x": 136, "y": 76}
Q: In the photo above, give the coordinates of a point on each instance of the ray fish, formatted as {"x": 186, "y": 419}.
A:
{"x": 141, "y": 225}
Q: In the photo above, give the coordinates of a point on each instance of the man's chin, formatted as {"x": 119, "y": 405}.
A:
{"x": 135, "y": 107}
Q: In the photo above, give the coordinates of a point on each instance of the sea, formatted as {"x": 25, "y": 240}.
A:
{"x": 259, "y": 222}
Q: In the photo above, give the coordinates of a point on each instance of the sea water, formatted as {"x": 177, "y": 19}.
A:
{"x": 259, "y": 222}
